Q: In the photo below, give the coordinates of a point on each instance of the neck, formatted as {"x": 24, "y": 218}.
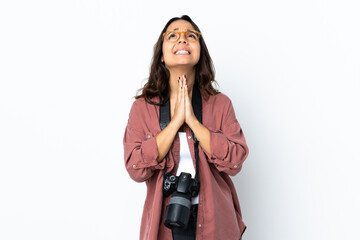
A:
{"x": 174, "y": 85}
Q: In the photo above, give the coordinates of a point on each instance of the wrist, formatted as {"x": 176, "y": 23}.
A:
{"x": 192, "y": 123}
{"x": 175, "y": 125}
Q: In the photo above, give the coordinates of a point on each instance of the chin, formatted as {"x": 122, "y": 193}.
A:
{"x": 182, "y": 64}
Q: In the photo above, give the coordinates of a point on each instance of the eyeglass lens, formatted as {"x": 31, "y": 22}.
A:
{"x": 175, "y": 35}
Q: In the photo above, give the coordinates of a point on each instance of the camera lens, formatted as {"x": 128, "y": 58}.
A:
{"x": 178, "y": 211}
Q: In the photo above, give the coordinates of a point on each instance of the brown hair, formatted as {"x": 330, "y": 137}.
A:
{"x": 158, "y": 83}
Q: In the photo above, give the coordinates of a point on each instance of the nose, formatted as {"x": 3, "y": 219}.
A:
{"x": 182, "y": 38}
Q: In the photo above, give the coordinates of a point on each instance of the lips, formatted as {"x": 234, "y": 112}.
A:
{"x": 182, "y": 51}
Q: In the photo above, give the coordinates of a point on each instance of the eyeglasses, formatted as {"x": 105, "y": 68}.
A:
{"x": 174, "y": 35}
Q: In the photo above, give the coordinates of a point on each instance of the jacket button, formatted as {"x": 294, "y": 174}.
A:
{"x": 199, "y": 225}
{"x": 189, "y": 137}
{"x": 235, "y": 166}
{"x": 148, "y": 136}
{"x": 134, "y": 166}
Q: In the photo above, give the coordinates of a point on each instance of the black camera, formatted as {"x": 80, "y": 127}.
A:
{"x": 169, "y": 185}
{"x": 178, "y": 211}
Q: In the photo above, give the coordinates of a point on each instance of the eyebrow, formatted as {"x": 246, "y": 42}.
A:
{"x": 184, "y": 29}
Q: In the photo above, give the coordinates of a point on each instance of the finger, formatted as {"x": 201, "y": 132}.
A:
{"x": 182, "y": 87}
{"x": 187, "y": 100}
{"x": 179, "y": 93}
{"x": 182, "y": 81}
{"x": 186, "y": 93}
{"x": 185, "y": 84}
{"x": 183, "y": 92}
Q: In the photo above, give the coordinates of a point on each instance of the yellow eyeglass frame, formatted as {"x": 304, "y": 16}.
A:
{"x": 179, "y": 32}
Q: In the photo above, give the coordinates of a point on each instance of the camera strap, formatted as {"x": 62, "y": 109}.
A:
{"x": 165, "y": 116}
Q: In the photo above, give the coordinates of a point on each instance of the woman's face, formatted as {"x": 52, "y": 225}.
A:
{"x": 183, "y": 52}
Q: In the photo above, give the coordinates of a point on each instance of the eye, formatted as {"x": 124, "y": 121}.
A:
{"x": 172, "y": 36}
{"x": 192, "y": 35}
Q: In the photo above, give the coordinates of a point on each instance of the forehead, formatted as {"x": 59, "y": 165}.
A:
{"x": 180, "y": 24}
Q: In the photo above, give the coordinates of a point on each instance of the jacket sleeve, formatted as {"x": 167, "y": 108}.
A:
{"x": 140, "y": 148}
{"x": 227, "y": 144}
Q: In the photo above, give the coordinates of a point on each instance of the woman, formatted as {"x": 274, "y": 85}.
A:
{"x": 180, "y": 63}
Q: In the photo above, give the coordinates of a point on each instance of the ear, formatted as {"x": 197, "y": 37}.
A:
{"x": 162, "y": 59}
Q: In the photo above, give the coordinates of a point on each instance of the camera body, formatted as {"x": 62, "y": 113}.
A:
{"x": 183, "y": 189}
{"x": 169, "y": 185}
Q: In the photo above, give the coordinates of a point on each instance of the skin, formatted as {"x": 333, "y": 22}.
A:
{"x": 182, "y": 77}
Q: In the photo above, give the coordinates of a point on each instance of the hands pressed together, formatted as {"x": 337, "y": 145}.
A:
{"x": 183, "y": 111}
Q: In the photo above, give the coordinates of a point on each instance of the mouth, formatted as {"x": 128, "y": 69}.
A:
{"x": 182, "y": 52}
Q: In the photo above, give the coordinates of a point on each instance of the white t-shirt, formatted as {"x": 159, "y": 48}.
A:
{"x": 186, "y": 163}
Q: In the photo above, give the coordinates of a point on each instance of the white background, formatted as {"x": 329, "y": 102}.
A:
{"x": 70, "y": 68}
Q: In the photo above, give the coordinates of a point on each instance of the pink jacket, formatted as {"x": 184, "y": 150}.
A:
{"x": 219, "y": 213}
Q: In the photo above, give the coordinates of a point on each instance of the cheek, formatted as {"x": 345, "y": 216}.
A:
{"x": 198, "y": 52}
{"x": 166, "y": 51}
